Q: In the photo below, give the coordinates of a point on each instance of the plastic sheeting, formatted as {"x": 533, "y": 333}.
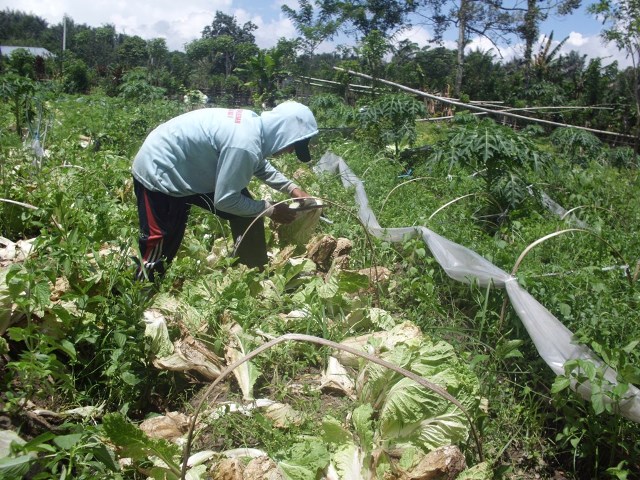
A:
{"x": 550, "y": 337}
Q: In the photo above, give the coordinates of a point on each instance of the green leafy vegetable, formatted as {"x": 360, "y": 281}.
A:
{"x": 135, "y": 444}
{"x": 305, "y": 460}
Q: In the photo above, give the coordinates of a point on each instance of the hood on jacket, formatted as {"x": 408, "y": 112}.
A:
{"x": 285, "y": 125}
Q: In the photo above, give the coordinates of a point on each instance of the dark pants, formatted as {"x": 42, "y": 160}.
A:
{"x": 163, "y": 220}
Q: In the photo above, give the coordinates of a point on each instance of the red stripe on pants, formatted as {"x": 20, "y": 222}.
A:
{"x": 155, "y": 233}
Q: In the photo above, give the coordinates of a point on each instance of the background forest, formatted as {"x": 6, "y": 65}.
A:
{"x": 228, "y": 66}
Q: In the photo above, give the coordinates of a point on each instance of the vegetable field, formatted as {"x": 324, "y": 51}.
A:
{"x": 366, "y": 358}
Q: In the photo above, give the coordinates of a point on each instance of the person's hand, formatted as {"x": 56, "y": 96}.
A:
{"x": 299, "y": 193}
{"x": 283, "y": 214}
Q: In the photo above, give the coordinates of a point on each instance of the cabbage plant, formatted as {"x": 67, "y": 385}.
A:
{"x": 397, "y": 422}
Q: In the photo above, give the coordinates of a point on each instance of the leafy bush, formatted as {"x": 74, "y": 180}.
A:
{"x": 534, "y": 130}
{"x": 331, "y": 112}
{"x": 545, "y": 93}
{"x": 502, "y": 158}
{"x": 623, "y": 157}
{"x": 22, "y": 63}
{"x": 17, "y": 91}
{"x": 76, "y": 76}
{"x": 391, "y": 120}
{"x": 135, "y": 87}
{"x": 579, "y": 146}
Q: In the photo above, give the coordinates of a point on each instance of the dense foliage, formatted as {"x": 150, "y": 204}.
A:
{"x": 228, "y": 66}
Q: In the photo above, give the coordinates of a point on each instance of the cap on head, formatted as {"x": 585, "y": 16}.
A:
{"x": 302, "y": 150}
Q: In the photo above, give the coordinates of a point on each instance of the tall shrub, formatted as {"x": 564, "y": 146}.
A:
{"x": 391, "y": 120}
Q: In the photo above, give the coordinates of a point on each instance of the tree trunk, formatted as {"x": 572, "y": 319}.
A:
{"x": 636, "y": 143}
{"x": 462, "y": 37}
{"x": 530, "y": 29}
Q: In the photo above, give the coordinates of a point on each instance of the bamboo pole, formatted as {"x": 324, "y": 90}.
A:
{"x": 333, "y": 82}
{"x": 15, "y": 202}
{"x": 480, "y": 109}
{"x": 355, "y": 88}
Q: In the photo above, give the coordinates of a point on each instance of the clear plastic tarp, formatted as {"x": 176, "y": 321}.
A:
{"x": 551, "y": 338}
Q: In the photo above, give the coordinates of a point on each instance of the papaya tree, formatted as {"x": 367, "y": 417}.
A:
{"x": 391, "y": 120}
{"x": 265, "y": 71}
{"x": 17, "y": 91}
{"x": 500, "y": 157}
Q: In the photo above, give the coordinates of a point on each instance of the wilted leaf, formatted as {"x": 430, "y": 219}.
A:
{"x": 229, "y": 469}
{"x": 262, "y": 468}
{"x": 336, "y": 377}
{"x": 156, "y": 330}
{"x": 168, "y": 427}
{"x": 283, "y": 415}
{"x": 302, "y": 228}
{"x": 247, "y": 373}
{"x": 444, "y": 462}
{"x": 191, "y": 356}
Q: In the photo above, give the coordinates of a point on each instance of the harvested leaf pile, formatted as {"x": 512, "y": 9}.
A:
{"x": 394, "y": 429}
{"x": 388, "y": 426}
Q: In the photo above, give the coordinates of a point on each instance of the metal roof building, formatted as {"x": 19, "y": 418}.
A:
{"x": 7, "y": 50}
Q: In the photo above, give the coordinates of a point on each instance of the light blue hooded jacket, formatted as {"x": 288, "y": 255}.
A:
{"x": 220, "y": 150}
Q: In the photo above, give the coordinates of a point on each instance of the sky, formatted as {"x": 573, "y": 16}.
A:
{"x": 180, "y": 22}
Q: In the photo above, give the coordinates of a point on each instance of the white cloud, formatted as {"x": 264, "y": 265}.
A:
{"x": 415, "y": 34}
{"x": 484, "y": 45}
{"x": 576, "y": 39}
{"x": 593, "y": 46}
{"x": 268, "y": 32}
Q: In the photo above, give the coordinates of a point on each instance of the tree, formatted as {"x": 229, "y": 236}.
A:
{"x": 106, "y": 42}
{"x": 132, "y": 52}
{"x": 403, "y": 67}
{"x": 438, "y": 66}
{"x": 595, "y": 83}
{"x": 265, "y": 72}
{"x": 534, "y": 12}
{"x": 541, "y": 62}
{"x": 312, "y": 28}
{"x": 324, "y": 18}
{"x": 224, "y": 24}
{"x": 372, "y": 49}
{"x": 231, "y": 43}
{"x": 157, "y": 53}
{"x": 571, "y": 69}
{"x": 225, "y": 48}
{"x": 483, "y": 18}
{"x": 622, "y": 27}
{"x": 482, "y": 76}
{"x": 365, "y": 16}
{"x": 25, "y": 28}
{"x": 287, "y": 49}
